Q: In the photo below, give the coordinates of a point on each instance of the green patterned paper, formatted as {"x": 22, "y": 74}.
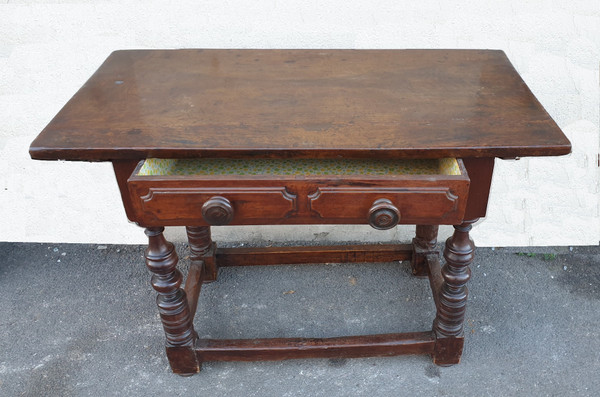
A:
{"x": 300, "y": 167}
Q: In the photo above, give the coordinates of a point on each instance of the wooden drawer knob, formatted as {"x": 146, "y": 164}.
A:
{"x": 217, "y": 210}
{"x": 383, "y": 214}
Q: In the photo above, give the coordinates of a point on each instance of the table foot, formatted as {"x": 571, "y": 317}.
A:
{"x": 161, "y": 260}
{"x": 424, "y": 244}
{"x": 452, "y": 298}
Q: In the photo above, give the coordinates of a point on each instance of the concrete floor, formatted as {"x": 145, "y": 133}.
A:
{"x": 80, "y": 320}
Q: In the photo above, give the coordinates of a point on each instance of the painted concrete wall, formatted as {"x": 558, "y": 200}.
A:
{"x": 49, "y": 48}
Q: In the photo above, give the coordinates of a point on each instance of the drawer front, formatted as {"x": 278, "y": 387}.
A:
{"x": 412, "y": 205}
{"x": 213, "y": 205}
{"x": 381, "y": 201}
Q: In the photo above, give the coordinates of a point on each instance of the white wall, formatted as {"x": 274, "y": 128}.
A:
{"x": 49, "y": 48}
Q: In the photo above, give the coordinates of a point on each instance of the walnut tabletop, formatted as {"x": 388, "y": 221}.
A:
{"x": 302, "y": 104}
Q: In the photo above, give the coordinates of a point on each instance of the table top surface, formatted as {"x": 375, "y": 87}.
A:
{"x": 302, "y": 103}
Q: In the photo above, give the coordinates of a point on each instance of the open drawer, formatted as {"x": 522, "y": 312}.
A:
{"x": 383, "y": 193}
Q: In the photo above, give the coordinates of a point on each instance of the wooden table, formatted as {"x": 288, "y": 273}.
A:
{"x": 231, "y": 137}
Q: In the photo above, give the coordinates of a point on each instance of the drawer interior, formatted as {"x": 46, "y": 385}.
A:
{"x": 298, "y": 167}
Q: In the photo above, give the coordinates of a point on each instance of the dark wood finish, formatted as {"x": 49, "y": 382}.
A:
{"x": 480, "y": 174}
{"x": 424, "y": 244}
{"x": 217, "y": 210}
{"x": 183, "y": 360}
{"x": 161, "y": 260}
{"x": 123, "y": 169}
{"x": 288, "y": 348}
{"x": 435, "y": 276}
{"x": 193, "y": 284}
{"x": 420, "y": 200}
{"x": 202, "y": 249}
{"x": 347, "y": 199}
{"x": 452, "y": 297}
{"x": 302, "y": 103}
{"x": 257, "y": 256}
{"x": 468, "y": 104}
{"x": 175, "y": 202}
{"x": 383, "y": 214}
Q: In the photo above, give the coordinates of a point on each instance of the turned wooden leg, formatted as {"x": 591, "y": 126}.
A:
{"x": 161, "y": 259}
{"x": 423, "y": 244}
{"x": 452, "y": 302}
{"x": 203, "y": 249}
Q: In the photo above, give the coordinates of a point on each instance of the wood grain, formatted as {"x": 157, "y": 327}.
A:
{"x": 423, "y": 245}
{"x": 451, "y": 302}
{"x": 263, "y": 200}
{"x": 468, "y": 104}
{"x": 288, "y": 348}
{"x": 302, "y": 103}
{"x": 161, "y": 260}
{"x": 253, "y": 256}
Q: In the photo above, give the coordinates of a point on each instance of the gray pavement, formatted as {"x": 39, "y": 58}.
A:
{"x": 80, "y": 320}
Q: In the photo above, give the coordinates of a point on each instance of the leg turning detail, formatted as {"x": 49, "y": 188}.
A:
{"x": 423, "y": 244}
{"x": 162, "y": 259}
{"x": 448, "y": 324}
{"x": 203, "y": 249}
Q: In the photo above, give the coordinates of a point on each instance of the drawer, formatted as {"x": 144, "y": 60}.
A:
{"x": 169, "y": 192}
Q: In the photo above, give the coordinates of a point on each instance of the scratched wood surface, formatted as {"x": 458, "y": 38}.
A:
{"x": 302, "y": 103}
